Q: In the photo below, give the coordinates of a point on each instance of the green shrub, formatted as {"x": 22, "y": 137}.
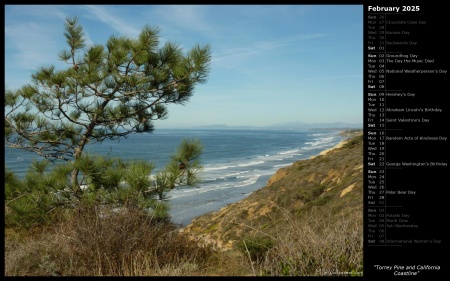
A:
{"x": 256, "y": 247}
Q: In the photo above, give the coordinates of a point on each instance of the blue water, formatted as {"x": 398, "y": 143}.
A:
{"x": 236, "y": 162}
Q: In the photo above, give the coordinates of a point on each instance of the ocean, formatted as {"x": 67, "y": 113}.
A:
{"x": 236, "y": 162}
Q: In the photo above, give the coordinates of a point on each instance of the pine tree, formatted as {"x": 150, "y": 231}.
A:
{"x": 106, "y": 92}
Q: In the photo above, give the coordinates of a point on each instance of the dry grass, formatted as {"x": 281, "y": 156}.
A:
{"x": 315, "y": 247}
{"x": 119, "y": 244}
{"x": 131, "y": 244}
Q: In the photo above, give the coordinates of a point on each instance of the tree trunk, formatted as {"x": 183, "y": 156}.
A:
{"x": 81, "y": 143}
{"x": 74, "y": 176}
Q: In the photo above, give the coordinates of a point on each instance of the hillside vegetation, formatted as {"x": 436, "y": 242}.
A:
{"x": 308, "y": 220}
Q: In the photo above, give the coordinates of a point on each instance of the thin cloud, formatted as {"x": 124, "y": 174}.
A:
{"x": 184, "y": 16}
{"x": 114, "y": 21}
{"x": 38, "y": 11}
{"x": 235, "y": 56}
{"x": 33, "y": 44}
{"x": 32, "y": 41}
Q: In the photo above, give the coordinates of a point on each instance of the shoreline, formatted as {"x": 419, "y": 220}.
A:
{"x": 346, "y": 133}
{"x": 267, "y": 178}
{"x": 324, "y": 152}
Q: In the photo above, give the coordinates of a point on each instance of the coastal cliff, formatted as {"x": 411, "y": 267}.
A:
{"x": 322, "y": 193}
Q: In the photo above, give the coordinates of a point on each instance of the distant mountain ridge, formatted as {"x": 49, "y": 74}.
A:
{"x": 303, "y": 125}
{"x": 285, "y": 126}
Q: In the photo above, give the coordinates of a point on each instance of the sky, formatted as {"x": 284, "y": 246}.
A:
{"x": 271, "y": 64}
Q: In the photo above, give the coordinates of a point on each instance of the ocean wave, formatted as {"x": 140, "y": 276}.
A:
{"x": 288, "y": 151}
{"x": 195, "y": 192}
{"x": 225, "y": 177}
{"x": 249, "y": 181}
{"x": 281, "y": 165}
{"x": 15, "y": 161}
{"x": 250, "y": 163}
{"x": 321, "y": 140}
{"x": 318, "y": 144}
{"x": 217, "y": 168}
